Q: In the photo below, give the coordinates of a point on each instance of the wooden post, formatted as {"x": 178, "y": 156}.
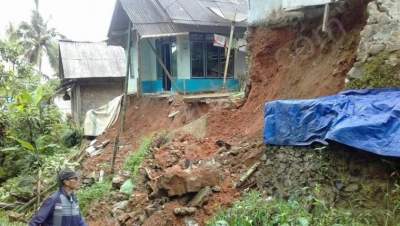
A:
{"x": 123, "y": 101}
{"x": 229, "y": 54}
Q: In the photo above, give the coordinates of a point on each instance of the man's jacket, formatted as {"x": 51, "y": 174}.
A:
{"x": 59, "y": 209}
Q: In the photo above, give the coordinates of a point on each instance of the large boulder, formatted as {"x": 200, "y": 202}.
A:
{"x": 177, "y": 181}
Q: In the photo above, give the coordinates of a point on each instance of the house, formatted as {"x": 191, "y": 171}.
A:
{"x": 281, "y": 12}
{"x": 179, "y": 38}
{"x": 93, "y": 72}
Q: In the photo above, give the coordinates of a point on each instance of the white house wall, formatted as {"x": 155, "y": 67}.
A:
{"x": 183, "y": 48}
{"x": 132, "y": 84}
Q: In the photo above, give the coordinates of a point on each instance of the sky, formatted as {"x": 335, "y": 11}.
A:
{"x": 79, "y": 20}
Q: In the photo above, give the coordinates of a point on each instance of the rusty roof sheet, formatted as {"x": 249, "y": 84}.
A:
{"x": 91, "y": 60}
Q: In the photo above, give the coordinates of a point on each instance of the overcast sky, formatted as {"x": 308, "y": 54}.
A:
{"x": 81, "y": 20}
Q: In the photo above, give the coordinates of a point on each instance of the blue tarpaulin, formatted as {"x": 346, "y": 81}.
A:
{"x": 364, "y": 119}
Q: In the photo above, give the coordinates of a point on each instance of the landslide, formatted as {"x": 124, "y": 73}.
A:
{"x": 291, "y": 63}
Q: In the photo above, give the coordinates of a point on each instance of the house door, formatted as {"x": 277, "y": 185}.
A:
{"x": 166, "y": 58}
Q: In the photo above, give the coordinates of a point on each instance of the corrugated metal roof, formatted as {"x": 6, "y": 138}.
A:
{"x": 91, "y": 60}
{"x": 151, "y": 17}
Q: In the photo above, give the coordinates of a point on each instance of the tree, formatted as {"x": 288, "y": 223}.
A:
{"x": 37, "y": 39}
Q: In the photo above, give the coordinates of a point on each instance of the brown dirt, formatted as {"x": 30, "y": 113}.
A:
{"x": 144, "y": 116}
{"x": 285, "y": 66}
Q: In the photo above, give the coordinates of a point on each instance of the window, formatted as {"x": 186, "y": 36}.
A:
{"x": 207, "y": 59}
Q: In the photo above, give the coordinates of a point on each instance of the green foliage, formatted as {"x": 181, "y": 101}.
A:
{"x": 87, "y": 196}
{"x": 135, "y": 160}
{"x": 5, "y": 221}
{"x": 377, "y": 74}
{"x": 255, "y": 210}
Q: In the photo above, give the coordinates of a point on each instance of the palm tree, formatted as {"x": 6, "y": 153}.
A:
{"x": 38, "y": 39}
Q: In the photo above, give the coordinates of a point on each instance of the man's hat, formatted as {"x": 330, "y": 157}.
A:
{"x": 66, "y": 174}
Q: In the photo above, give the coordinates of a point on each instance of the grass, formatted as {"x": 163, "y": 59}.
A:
{"x": 5, "y": 221}
{"x": 132, "y": 164}
{"x": 87, "y": 196}
{"x": 255, "y": 210}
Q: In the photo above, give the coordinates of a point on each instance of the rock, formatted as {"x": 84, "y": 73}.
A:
{"x": 120, "y": 206}
{"x": 352, "y": 188}
{"x": 375, "y": 49}
{"x": 123, "y": 218}
{"x": 190, "y": 221}
{"x": 117, "y": 181}
{"x": 216, "y": 188}
{"x": 141, "y": 218}
{"x": 201, "y": 197}
{"x": 184, "y": 211}
{"x": 221, "y": 143}
{"x": 176, "y": 181}
{"x": 150, "y": 209}
{"x": 339, "y": 185}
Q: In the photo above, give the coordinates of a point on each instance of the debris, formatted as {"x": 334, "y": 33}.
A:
{"x": 190, "y": 221}
{"x": 15, "y": 216}
{"x": 173, "y": 114}
{"x": 101, "y": 176}
{"x": 352, "y": 188}
{"x": 124, "y": 218}
{"x": 201, "y": 197}
{"x": 120, "y": 206}
{"x": 92, "y": 142}
{"x": 184, "y": 211}
{"x": 222, "y": 143}
{"x": 103, "y": 144}
{"x": 216, "y": 188}
{"x": 339, "y": 185}
{"x": 127, "y": 187}
{"x": 7, "y": 206}
{"x": 248, "y": 173}
{"x": 150, "y": 209}
{"x": 117, "y": 181}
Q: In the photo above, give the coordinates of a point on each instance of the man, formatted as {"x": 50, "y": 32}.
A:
{"x": 61, "y": 208}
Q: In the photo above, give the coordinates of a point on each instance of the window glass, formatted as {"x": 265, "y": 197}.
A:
{"x": 197, "y": 53}
{"x": 207, "y": 59}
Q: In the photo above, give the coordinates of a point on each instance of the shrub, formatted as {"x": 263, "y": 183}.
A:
{"x": 135, "y": 160}
{"x": 5, "y": 221}
{"x": 87, "y": 196}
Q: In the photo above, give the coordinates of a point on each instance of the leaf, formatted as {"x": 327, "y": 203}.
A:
{"x": 38, "y": 96}
{"x": 303, "y": 221}
{"x": 10, "y": 149}
{"x": 24, "y": 144}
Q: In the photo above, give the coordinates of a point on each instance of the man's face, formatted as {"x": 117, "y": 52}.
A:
{"x": 72, "y": 183}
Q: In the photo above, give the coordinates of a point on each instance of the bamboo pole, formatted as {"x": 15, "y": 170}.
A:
{"x": 229, "y": 53}
{"x": 326, "y": 17}
{"x": 123, "y": 102}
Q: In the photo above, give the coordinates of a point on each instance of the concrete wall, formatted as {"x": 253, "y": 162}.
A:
{"x": 93, "y": 93}
{"x": 183, "y": 48}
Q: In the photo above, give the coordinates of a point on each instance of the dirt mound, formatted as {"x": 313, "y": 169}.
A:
{"x": 145, "y": 116}
{"x": 292, "y": 62}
